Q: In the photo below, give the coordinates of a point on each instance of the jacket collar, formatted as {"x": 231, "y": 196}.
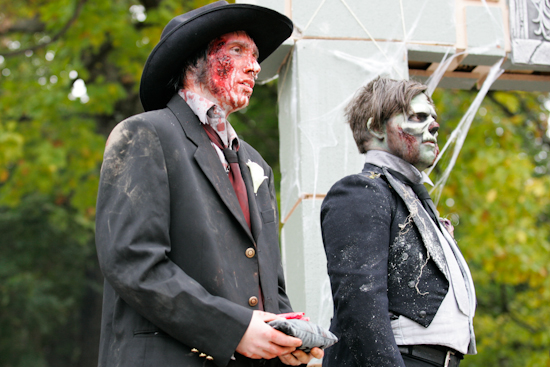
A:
{"x": 209, "y": 162}
{"x": 382, "y": 158}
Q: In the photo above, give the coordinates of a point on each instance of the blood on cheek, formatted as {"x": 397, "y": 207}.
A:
{"x": 221, "y": 69}
{"x": 410, "y": 142}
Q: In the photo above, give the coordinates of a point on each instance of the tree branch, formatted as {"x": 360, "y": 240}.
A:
{"x": 500, "y": 105}
{"x": 150, "y": 4}
{"x": 524, "y": 108}
{"x": 31, "y": 25}
{"x": 76, "y": 13}
{"x": 524, "y": 325}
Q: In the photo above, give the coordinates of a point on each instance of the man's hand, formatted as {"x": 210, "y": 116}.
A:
{"x": 299, "y": 357}
{"x": 262, "y": 341}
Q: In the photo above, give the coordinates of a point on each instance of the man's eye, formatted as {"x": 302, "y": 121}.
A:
{"x": 418, "y": 117}
{"x": 236, "y": 50}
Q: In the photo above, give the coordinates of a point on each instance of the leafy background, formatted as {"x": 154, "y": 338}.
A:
{"x": 52, "y": 137}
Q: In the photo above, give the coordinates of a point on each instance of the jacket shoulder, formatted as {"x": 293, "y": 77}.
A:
{"x": 363, "y": 194}
{"x": 146, "y": 120}
{"x": 371, "y": 181}
{"x": 144, "y": 127}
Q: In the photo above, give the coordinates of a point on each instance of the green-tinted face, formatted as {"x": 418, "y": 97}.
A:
{"x": 413, "y": 138}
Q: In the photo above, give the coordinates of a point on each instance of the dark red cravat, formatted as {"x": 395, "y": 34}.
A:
{"x": 235, "y": 176}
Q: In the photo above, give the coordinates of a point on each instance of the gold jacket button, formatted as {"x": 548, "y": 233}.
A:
{"x": 210, "y": 358}
{"x": 250, "y": 252}
{"x": 253, "y": 301}
{"x": 202, "y": 355}
{"x": 194, "y": 350}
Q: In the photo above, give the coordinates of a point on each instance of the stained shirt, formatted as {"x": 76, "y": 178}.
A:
{"x": 452, "y": 325}
{"x": 211, "y": 114}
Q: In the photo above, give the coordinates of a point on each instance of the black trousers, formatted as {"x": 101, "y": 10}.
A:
{"x": 411, "y": 361}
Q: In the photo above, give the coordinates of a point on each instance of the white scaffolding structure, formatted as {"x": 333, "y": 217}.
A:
{"x": 341, "y": 45}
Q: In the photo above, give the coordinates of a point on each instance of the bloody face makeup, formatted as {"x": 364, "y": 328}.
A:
{"x": 231, "y": 70}
{"x": 413, "y": 138}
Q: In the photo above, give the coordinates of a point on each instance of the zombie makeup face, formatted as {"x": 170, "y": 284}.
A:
{"x": 413, "y": 138}
{"x": 231, "y": 70}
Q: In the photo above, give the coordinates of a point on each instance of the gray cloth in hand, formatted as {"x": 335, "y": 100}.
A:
{"x": 311, "y": 335}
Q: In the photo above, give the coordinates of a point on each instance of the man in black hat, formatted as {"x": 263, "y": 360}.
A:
{"x": 187, "y": 222}
{"x": 403, "y": 293}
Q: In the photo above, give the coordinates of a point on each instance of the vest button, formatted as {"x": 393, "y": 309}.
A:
{"x": 422, "y": 314}
{"x": 250, "y": 252}
{"x": 253, "y": 301}
{"x": 411, "y": 284}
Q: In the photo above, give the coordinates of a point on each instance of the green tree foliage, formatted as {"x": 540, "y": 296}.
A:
{"x": 499, "y": 192}
{"x": 52, "y": 136}
{"x": 44, "y": 271}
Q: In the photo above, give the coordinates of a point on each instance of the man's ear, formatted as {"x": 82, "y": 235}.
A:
{"x": 379, "y": 135}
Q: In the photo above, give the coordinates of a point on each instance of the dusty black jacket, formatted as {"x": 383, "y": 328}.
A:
{"x": 172, "y": 244}
{"x": 378, "y": 263}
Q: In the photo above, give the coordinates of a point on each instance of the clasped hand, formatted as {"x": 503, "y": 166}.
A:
{"x": 262, "y": 341}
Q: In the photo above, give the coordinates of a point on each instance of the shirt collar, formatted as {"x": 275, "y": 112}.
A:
{"x": 199, "y": 105}
{"x": 211, "y": 114}
{"x": 382, "y": 158}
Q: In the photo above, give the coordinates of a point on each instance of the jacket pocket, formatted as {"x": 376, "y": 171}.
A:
{"x": 148, "y": 333}
{"x": 268, "y": 216}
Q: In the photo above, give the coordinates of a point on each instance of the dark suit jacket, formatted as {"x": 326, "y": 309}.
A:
{"x": 377, "y": 264}
{"x": 172, "y": 242}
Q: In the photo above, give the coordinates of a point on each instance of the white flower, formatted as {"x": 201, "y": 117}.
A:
{"x": 257, "y": 173}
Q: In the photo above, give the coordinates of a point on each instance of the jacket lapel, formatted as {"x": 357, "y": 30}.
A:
{"x": 207, "y": 158}
{"x": 255, "y": 220}
{"x": 422, "y": 221}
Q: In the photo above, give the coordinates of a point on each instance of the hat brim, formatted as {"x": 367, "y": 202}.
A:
{"x": 268, "y": 28}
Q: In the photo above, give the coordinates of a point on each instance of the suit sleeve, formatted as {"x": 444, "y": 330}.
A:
{"x": 132, "y": 239}
{"x": 355, "y": 222}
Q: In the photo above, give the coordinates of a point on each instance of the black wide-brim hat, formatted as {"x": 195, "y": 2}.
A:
{"x": 187, "y": 33}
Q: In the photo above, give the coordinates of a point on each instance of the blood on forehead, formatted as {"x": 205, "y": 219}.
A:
{"x": 240, "y": 37}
